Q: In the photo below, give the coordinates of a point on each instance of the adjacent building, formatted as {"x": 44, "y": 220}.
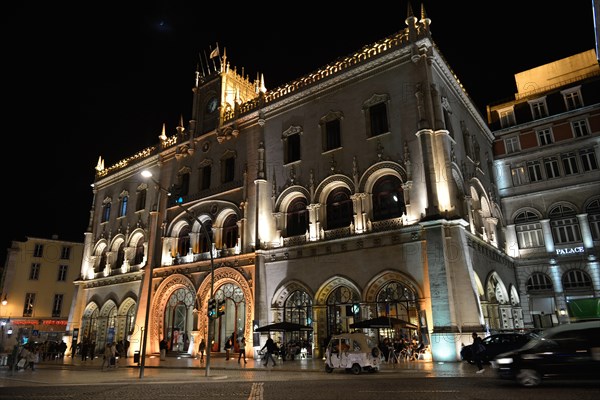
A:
{"x": 546, "y": 156}
{"x": 37, "y": 290}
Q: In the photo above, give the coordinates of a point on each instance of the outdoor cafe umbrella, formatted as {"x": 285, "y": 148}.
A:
{"x": 284, "y": 327}
{"x": 382, "y": 323}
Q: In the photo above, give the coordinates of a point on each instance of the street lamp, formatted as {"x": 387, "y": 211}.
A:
{"x": 211, "y": 321}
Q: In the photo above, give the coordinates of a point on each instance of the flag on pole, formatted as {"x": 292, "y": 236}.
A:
{"x": 215, "y": 52}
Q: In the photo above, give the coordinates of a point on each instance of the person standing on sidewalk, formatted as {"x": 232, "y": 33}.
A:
{"x": 242, "y": 350}
{"x": 478, "y": 349}
{"x": 202, "y": 349}
{"x": 162, "y": 346}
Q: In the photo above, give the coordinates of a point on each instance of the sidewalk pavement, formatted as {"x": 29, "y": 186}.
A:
{"x": 73, "y": 371}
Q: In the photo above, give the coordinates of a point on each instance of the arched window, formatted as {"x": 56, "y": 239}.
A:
{"x": 183, "y": 241}
{"x": 565, "y": 226}
{"x": 298, "y": 309}
{"x": 297, "y": 217}
{"x": 230, "y": 231}
{"x": 538, "y": 282}
{"x": 141, "y": 199}
{"x": 123, "y": 206}
{"x": 106, "y": 212}
{"x": 593, "y": 211}
{"x": 343, "y": 308}
{"x": 529, "y": 230}
{"x": 388, "y": 198}
{"x": 576, "y": 279}
{"x": 204, "y": 242}
{"x": 120, "y": 256}
{"x": 139, "y": 252}
{"x": 339, "y": 208}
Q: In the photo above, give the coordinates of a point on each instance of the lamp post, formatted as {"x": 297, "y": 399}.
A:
{"x": 211, "y": 322}
{"x": 150, "y": 265}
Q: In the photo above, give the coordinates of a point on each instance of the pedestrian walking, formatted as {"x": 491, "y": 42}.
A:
{"x": 478, "y": 349}
{"x": 228, "y": 346}
{"x": 242, "y": 350}
{"x": 270, "y": 348}
{"x": 108, "y": 354}
{"x": 162, "y": 346}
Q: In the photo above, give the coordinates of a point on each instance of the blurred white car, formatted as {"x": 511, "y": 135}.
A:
{"x": 353, "y": 352}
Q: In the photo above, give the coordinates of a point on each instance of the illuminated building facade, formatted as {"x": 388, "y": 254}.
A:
{"x": 37, "y": 290}
{"x": 547, "y": 154}
{"x": 362, "y": 189}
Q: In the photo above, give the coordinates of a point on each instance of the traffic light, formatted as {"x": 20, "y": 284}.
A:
{"x": 221, "y": 309}
{"x": 212, "y": 308}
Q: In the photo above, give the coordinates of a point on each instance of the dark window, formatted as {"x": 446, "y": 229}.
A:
{"x": 205, "y": 177}
{"x": 332, "y": 135}
{"x": 228, "y": 169}
{"x": 570, "y": 163}
{"x": 65, "y": 253}
{"x": 57, "y": 305}
{"x": 106, "y": 212}
{"x": 38, "y": 250}
{"x": 120, "y": 256}
{"x": 593, "y": 211}
{"x": 292, "y": 151}
{"x": 183, "y": 241}
{"x": 184, "y": 184}
{"x": 62, "y": 272}
{"x": 588, "y": 159}
{"x": 139, "y": 252}
{"x": 230, "y": 231}
{"x": 539, "y": 281}
{"x": 552, "y": 170}
{"x": 297, "y": 217}
{"x": 204, "y": 242}
{"x": 339, "y": 208}
{"x": 29, "y": 303}
{"x": 388, "y": 198}
{"x": 576, "y": 279}
{"x": 34, "y": 272}
{"x": 141, "y": 199}
{"x": 378, "y": 119}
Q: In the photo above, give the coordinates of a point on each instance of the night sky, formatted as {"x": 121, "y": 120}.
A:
{"x": 100, "y": 78}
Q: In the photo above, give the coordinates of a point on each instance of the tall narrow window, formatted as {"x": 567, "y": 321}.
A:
{"x": 29, "y": 304}
{"x": 204, "y": 242}
{"x": 106, "y": 212}
{"x": 34, "y": 272}
{"x": 123, "y": 206}
{"x": 230, "y": 231}
{"x": 183, "y": 241}
{"x": 593, "y": 211}
{"x": 205, "y": 173}
{"x": 378, "y": 119}
{"x": 57, "y": 305}
{"x": 38, "y": 250}
{"x": 292, "y": 151}
{"x": 297, "y": 217}
{"x": 332, "y": 135}
{"x": 141, "y": 199}
{"x": 184, "y": 184}
{"x": 65, "y": 253}
{"x": 227, "y": 169}
{"x": 62, "y": 273}
{"x": 507, "y": 118}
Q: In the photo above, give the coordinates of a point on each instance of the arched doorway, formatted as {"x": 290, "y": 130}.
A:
{"x": 178, "y": 319}
{"x": 233, "y": 320}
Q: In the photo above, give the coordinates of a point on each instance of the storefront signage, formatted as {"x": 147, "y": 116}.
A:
{"x": 38, "y": 322}
{"x": 570, "y": 250}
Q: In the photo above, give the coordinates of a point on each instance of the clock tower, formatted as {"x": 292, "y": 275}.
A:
{"x": 218, "y": 93}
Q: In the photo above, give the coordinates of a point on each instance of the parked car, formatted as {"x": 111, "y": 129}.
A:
{"x": 569, "y": 351}
{"x": 352, "y": 352}
{"x": 496, "y": 344}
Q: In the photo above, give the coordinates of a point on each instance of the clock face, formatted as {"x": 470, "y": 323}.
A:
{"x": 212, "y": 104}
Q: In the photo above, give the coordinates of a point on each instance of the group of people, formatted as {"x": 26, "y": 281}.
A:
{"x": 401, "y": 348}
{"x": 230, "y": 343}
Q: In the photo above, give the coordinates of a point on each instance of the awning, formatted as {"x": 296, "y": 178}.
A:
{"x": 383, "y": 322}
{"x": 284, "y": 327}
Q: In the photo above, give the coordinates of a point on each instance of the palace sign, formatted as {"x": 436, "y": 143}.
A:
{"x": 570, "y": 250}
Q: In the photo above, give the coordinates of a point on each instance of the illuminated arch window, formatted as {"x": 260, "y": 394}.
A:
{"x": 529, "y": 230}
{"x": 183, "y": 241}
{"x": 539, "y": 282}
{"x": 565, "y": 225}
{"x": 230, "y": 231}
